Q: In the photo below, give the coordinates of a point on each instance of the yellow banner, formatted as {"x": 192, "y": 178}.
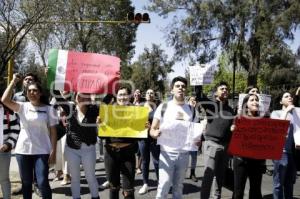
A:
{"x": 123, "y": 121}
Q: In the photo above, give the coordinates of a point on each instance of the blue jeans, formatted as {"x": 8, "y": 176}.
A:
{"x": 146, "y": 146}
{"x": 86, "y": 155}
{"x": 172, "y": 168}
{"x": 284, "y": 177}
{"x": 38, "y": 164}
{"x": 4, "y": 174}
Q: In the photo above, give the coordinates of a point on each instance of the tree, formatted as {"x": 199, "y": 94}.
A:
{"x": 151, "y": 69}
{"x": 244, "y": 28}
{"x": 16, "y": 24}
{"x": 225, "y": 73}
{"x": 70, "y": 33}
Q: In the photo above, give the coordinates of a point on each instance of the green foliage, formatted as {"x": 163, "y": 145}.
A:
{"x": 225, "y": 73}
{"x": 151, "y": 69}
{"x": 56, "y": 24}
{"x": 242, "y": 28}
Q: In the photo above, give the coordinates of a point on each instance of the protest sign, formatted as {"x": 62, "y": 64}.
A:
{"x": 258, "y": 138}
{"x": 296, "y": 123}
{"x": 123, "y": 121}
{"x": 180, "y": 134}
{"x": 264, "y": 103}
{"x": 201, "y": 74}
{"x": 82, "y": 72}
{"x": 1, "y": 124}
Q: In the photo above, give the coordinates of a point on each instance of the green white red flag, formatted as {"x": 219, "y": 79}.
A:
{"x": 83, "y": 72}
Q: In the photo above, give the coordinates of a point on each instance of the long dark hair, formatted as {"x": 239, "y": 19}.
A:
{"x": 249, "y": 88}
{"x": 43, "y": 99}
{"x": 245, "y": 107}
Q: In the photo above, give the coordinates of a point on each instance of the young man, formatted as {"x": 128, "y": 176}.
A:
{"x": 173, "y": 162}
{"x": 217, "y": 136}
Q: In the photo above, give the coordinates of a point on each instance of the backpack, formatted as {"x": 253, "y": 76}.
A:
{"x": 165, "y": 106}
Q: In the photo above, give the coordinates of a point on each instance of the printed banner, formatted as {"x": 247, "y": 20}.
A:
{"x": 180, "y": 134}
{"x": 264, "y": 103}
{"x": 1, "y": 124}
{"x": 262, "y": 138}
{"x": 123, "y": 121}
{"x": 202, "y": 74}
{"x": 82, "y": 72}
{"x": 296, "y": 123}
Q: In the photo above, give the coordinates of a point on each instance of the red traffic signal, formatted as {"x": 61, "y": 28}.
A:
{"x": 138, "y": 17}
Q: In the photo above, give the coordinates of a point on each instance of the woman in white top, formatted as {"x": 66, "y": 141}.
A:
{"x": 36, "y": 145}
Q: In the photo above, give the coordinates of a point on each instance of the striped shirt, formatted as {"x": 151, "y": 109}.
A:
{"x": 11, "y": 128}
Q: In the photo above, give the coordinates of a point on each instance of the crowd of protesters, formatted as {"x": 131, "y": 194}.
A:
{"x": 64, "y": 133}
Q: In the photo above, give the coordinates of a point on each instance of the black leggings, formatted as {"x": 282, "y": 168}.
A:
{"x": 244, "y": 168}
{"x": 120, "y": 162}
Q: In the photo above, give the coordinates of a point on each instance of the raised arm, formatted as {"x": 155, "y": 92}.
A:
{"x": 7, "y": 95}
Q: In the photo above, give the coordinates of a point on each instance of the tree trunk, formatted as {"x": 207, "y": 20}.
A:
{"x": 255, "y": 61}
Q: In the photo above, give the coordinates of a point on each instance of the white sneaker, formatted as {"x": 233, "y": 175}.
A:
{"x": 144, "y": 189}
{"x": 105, "y": 185}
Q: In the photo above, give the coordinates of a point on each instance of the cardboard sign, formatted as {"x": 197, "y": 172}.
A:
{"x": 181, "y": 134}
{"x": 202, "y": 74}
{"x": 83, "y": 72}
{"x": 258, "y": 138}
{"x": 123, "y": 121}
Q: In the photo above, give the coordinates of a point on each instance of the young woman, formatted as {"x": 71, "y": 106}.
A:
{"x": 36, "y": 145}
{"x": 284, "y": 174}
{"x": 120, "y": 157}
{"x": 9, "y": 129}
{"x": 81, "y": 139}
{"x": 247, "y": 167}
{"x": 149, "y": 144}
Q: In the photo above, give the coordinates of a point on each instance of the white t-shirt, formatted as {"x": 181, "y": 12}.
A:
{"x": 173, "y": 112}
{"x": 35, "y": 121}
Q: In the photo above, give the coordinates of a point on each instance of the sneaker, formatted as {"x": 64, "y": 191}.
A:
{"x": 66, "y": 180}
{"x": 143, "y": 189}
{"x": 58, "y": 176}
{"x": 17, "y": 191}
{"x": 105, "y": 185}
{"x": 101, "y": 159}
{"x": 138, "y": 171}
{"x": 194, "y": 178}
{"x": 37, "y": 190}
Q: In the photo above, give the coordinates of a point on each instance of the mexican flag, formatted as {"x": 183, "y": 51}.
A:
{"x": 83, "y": 72}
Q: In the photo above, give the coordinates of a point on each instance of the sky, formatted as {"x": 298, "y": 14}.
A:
{"x": 153, "y": 33}
{"x": 147, "y": 34}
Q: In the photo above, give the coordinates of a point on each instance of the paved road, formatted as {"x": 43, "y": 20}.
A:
{"x": 191, "y": 189}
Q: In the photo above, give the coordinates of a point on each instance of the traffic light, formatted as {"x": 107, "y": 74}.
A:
{"x": 138, "y": 17}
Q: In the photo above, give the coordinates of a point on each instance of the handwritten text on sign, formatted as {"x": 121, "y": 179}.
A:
{"x": 123, "y": 121}
{"x": 258, "y": 138}
{"x": 180, "y": 134}
{"x": 92, "y": 73}
{"x": 202, "y": 74}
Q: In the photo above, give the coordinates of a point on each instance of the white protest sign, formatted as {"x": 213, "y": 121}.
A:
{"x": 180, "y": 134}
{"x": 1, "y": 124}
{"x": 264, "y": 103}
{"x": 202, "y": 74}
{"x": 296, "y": 123}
